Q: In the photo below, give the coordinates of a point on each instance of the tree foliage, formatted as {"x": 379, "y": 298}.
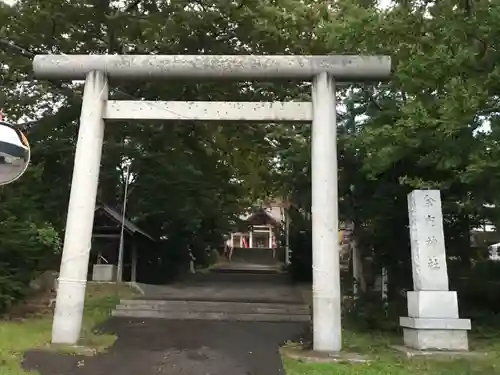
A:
{"x": 435, "y": 123}
{"x": 28, "y": 244}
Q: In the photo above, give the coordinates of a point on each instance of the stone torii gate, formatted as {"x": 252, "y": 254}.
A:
{"x": 96, "y": 69}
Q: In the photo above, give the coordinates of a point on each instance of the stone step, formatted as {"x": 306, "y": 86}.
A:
{"x": 209, "y": 306}
{"x": 231, "y": 276}
{"x": 187, "y": 315}
{"x": 246, "y": 270}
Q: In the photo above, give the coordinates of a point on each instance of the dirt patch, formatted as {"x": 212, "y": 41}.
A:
{"x": 34, "y": 305}
{"x": 156, "y": 346}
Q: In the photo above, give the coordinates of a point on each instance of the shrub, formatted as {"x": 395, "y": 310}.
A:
{"x": 26, "y": 249}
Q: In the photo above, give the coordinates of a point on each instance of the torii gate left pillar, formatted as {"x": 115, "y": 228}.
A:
{"x": 95, "y": 69}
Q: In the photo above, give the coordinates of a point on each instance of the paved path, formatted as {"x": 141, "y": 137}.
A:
{"x": 228, "y": 286}
{"x": 147, "y": 347}
{"x": 191, "y": 347}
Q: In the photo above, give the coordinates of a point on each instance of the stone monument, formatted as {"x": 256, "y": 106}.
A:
{"x": 433, "y": 322}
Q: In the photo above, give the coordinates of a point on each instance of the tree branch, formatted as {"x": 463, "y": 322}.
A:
{"x": 17, "y": 49}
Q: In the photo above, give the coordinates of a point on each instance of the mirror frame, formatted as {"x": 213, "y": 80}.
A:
{"x": 24, "y": 139}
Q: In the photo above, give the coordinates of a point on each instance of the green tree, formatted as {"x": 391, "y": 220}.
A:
{"x": 28, "y": 244}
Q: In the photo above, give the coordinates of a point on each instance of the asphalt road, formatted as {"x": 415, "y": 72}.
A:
{"x": 156, "y": 346}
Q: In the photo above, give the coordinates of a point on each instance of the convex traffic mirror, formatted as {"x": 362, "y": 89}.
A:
{"x": 14, "y": 153}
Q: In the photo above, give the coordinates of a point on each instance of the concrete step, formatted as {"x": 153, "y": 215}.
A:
{"x": 216, "y": 307}
{"x": 225, "y": 292}
{"x": 231, "y": 276}
{"x": 186, "y": 315}
{"x": 247, "y": 270}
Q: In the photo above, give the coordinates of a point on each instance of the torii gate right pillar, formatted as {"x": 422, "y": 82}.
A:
{"x": 327, "y": 327}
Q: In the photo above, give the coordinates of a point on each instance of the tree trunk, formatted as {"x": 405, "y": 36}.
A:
{"x": 357, "y": 269}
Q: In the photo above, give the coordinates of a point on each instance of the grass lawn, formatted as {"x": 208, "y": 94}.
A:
{"x": 387, "y": 361}
{"x": 17, "y": 336}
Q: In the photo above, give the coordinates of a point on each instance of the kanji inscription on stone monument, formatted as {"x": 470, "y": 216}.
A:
{"x": 429, "y": 201}
{"x": 432, "y": 241}
{"x": 431, "y": 220}
{"x": 433, "y": 263}
{"x": 427, "y": 241}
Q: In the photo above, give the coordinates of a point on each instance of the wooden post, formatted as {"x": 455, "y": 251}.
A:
{"x": 133, "y": 276}
{"x": 121, "y": 250}
{"x": 270, "y": 236}
{"x": 287, "y": 237}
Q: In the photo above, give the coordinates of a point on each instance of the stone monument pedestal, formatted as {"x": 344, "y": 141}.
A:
{"x": 433, "y": 322}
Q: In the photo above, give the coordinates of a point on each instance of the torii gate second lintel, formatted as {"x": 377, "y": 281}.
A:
{"x": 95, "y": 69}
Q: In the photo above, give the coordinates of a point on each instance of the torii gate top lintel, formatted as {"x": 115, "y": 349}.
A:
{"x": 132, "y": 67}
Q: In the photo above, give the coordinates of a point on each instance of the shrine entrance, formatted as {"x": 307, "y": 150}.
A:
{"x": 324, "y": 71}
